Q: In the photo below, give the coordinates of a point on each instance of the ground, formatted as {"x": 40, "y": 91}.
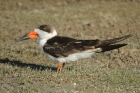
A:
{"x": 25, "y": 69}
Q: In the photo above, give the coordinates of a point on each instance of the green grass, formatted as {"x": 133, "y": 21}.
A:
{"x": 25, "y": 69}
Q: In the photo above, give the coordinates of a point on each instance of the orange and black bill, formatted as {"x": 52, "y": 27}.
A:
{"x": 30, "y": 35}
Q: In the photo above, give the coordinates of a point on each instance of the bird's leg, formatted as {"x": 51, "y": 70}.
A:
{"x": 60, "y": 65}
{"x": 63, "y": 64}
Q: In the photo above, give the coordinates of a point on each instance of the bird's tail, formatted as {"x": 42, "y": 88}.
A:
{"x": 105, "y": 43}
{"x": 112, "y": 47}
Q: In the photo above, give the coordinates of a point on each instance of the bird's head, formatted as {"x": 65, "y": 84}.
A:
{"x": 43, "y": 32}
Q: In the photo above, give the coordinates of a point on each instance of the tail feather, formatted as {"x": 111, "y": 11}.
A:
{"x": 115, "y": 40}
{"x": 112, "y": 47}
{"x": 111, "y": 41}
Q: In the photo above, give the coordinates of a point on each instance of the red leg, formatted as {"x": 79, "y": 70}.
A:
{"x": 60, "y": 65}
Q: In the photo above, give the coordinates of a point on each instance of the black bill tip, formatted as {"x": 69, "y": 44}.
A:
{"x": 25, "y": 37}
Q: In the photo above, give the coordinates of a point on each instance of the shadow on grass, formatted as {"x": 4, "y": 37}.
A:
{"x": 25, "y": 65}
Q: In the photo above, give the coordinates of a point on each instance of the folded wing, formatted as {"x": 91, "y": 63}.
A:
{"x": 64, "y": 46}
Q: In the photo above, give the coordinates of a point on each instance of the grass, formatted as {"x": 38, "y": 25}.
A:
{"x": 25, "y": 69}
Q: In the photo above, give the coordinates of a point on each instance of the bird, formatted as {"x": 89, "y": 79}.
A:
{"x": 64, "y": 50}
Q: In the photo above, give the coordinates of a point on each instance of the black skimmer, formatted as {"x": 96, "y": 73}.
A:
{"x": 65, "y": 49}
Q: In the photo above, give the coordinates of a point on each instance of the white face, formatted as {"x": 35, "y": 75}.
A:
{"x": 45, "y": 35}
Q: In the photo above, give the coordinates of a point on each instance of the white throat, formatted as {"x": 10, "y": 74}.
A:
{"x": 41, "y": 43}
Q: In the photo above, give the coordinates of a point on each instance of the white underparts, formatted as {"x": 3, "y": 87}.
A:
{"x": 73, "y": 57}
